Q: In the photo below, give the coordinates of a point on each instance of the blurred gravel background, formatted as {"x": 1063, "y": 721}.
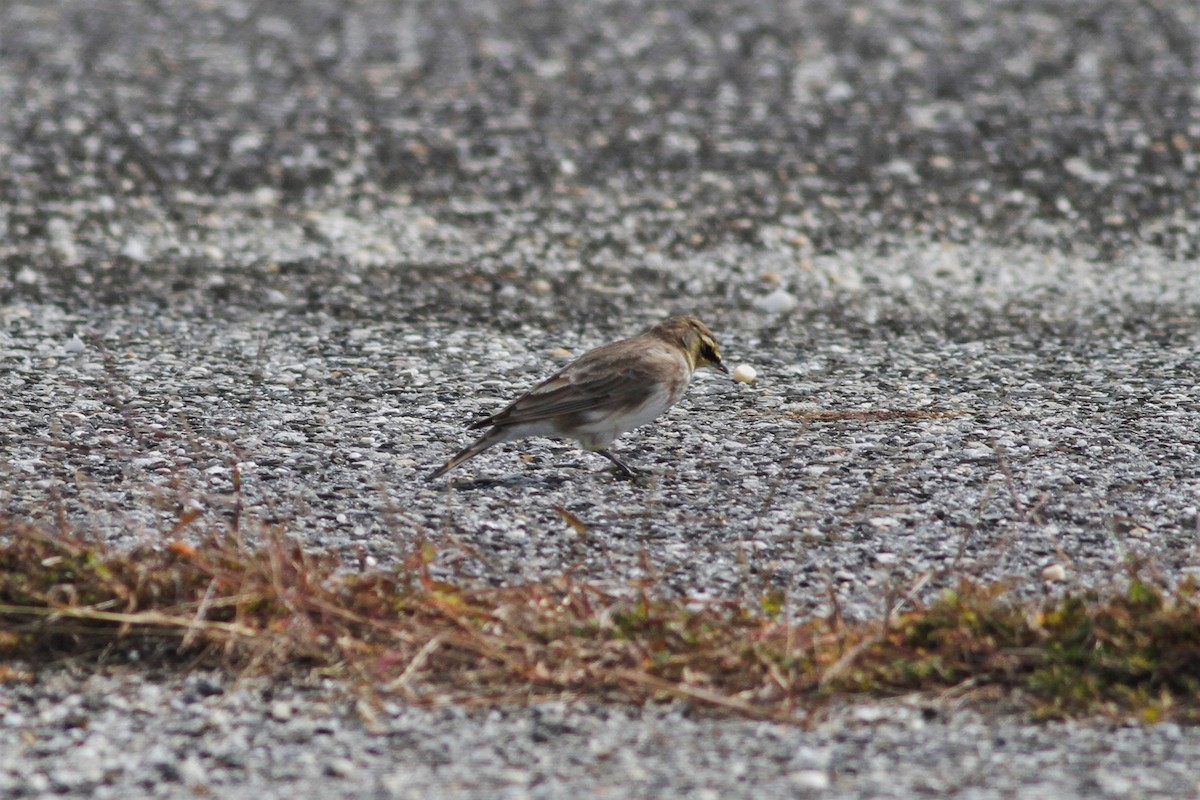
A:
{"x": 316, "y": 238}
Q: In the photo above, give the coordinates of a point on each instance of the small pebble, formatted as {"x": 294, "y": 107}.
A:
{"x": 744, "y": 373}
{"x": 811, "y": 779}
{"x": 192, "y": 772}
{"x": 136, "y": 249}
{"x": 1054, "y": 572}
{"x": 777, "y": 302}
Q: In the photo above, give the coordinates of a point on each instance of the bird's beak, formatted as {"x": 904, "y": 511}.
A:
{"x": 721, "y": 366}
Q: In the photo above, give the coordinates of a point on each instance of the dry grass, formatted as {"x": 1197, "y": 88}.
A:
{"x": 276, "y": 609}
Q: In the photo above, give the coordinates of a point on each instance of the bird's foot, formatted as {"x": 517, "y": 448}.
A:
{"x": 623, "y": 468}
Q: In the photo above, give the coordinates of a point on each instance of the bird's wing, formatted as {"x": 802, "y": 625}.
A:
{"x": 575, "y": 389}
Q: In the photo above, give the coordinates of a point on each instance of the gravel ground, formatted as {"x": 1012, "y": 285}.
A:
{"x": 251, "y": 740}
{"x": 315, "y": 239}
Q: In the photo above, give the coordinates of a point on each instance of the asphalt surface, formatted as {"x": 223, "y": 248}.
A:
{"x": 957, "y": 241}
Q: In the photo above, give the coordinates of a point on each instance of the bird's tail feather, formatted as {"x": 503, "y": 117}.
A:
{"x": 490, "y": 439}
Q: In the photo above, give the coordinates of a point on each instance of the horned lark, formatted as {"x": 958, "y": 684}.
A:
{"x": 605, "y": 392}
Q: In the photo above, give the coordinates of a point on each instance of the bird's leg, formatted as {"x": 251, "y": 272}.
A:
{"x": 621, "y": 465}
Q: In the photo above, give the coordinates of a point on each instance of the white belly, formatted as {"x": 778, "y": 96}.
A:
{"x": 601, "y": 428}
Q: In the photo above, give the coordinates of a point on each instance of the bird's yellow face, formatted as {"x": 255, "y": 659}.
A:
{"x": 707, "y": 353}
{"x": 700, "y": 344}
{"x": 694, "y": 338}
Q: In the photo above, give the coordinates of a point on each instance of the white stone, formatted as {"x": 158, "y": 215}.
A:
{"x": 1054, "y": 572}
{"x": 779, "y": 301}
{"x": 744, "y": 373}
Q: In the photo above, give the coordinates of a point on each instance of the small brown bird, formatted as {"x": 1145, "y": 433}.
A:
{"x": 605, "y": 392}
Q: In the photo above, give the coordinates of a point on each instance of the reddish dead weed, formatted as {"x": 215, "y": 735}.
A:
{"x": 275, "y": 609}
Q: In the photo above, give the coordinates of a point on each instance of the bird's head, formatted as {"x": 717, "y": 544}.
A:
{"x": 695, "y": 339}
